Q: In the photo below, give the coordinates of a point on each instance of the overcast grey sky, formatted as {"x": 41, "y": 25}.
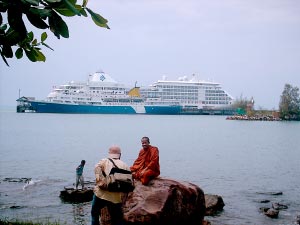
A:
{"x": 251, "y": 47}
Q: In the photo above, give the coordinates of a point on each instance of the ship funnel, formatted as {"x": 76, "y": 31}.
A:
{"x": 134, "y": 92}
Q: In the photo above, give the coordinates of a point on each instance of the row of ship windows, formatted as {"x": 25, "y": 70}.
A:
{"x": 208, "y": 102}
{"x": 153, "y": 95}
{"x": 216, "y": 102}
{"x": 183, "y": 89}
{"x": 71, "y": 87}
{"x": 69, "y": 98}
{"x": 74, "y": 89}
{"x": 95, "y": 92}
{"x": 208, "y": 92}
{"x": 113, "y": 92}
{"x": 195, "y": 98}
{"x": 189, "y": 102}
{"x": 107, "y": 88}
{"x": 182, "y": 95}
{"x": 187, "y": 87}
{"x": 216, "y": 95}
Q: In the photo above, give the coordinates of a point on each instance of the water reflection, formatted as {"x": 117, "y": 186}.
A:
{"x": 81, "y": 213}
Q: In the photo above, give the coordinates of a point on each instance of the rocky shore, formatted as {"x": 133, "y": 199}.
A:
{"x": 254, "y": 118}
{"x": 168, "y": 201}
{"x": 163, "y": 201}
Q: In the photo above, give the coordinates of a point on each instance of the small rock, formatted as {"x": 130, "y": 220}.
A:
{"x": 271, "y": 193}
{"x": 213, "y": 203}
{"x": 15, "y": 207}
{"x": 265, "y": 201}
{"x": 272, "y": 213}
{"x": 298, "y": 219}
{"x": 279, "y": 206}
{"x": 264, "y": 209}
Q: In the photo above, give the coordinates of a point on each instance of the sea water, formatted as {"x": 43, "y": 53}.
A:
{"x": 242, "y": 161}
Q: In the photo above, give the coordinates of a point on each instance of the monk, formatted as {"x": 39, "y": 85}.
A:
{"x": 146, "y": 166}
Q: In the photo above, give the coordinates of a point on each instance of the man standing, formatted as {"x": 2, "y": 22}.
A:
{"x": 79, "y": 176}
{"x": 104, "y": 198}
{"x": 146, "y": 166}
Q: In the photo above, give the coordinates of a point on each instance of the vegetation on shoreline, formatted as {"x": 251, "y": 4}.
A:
{"x": 289, "y": 106}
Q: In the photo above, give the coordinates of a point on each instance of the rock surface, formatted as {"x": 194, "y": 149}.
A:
{"x": 297, "y": 219}
{"x": 74, "y": 196}
{"x": 213, "y": 203}
{"x": 279, "y": 206}
{"x": 165, "y": 201}
{"x": 272, "y": 213}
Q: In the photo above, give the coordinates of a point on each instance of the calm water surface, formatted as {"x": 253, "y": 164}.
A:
{"x": 238, "y": 160}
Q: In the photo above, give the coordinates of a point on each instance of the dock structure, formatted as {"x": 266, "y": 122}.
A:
{"x": 23, "y": 105}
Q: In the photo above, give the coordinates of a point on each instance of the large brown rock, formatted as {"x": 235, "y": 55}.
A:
{"x": 165, "y": 201}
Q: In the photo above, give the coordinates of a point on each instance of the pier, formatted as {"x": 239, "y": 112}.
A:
{"x": 23, "y": 105}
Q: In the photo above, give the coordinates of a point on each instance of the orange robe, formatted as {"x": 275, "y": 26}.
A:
{"x": 146, "y": 166}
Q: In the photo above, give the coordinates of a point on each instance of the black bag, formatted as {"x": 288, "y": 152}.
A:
{"x": 120, "y": 179}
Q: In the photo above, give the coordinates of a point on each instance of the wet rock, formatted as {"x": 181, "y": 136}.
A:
{"x": 298, "y": 220}
{"x": 74, "y": 196}
{"x": 214, "y": 204}
{"x": 264, "y": 209}
{"x": 205, "y": 222}
{"x": 15, "y": 207}
{"x": 165, "y": 201}
{"x": 271, "y": 193}
{"x": 17, "y": 180}
{"x": 279, "y": 206}
{"x": 265, "y": 201}
{"x": 272, "y": 213}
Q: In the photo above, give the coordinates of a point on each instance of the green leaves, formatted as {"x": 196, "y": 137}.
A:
{"x": 84, "y": 3}
{"x": 44, "y": 36}
{"x": 43, "y": 14}
{"x": 58, "y": 26}
{"x": 98, "y": 20}
{"x": 53, "y": 1}
{"x": 15, "y": 21}
{"x": 67, "y": 8}
{"x": 35, "y": 55}
{"x": 19, "y": 53}
{"x": 7, "y": 51}
{"x": 11, "y": 37}
{"x": 31, "y": 48}
{"x": 33, "y": 2}
{"x": 36, "y": 19}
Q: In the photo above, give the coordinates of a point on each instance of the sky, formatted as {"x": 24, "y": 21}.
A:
{"x": 252, "y": 48}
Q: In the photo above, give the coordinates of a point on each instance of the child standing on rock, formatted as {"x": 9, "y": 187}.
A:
{"x": 79, "y": 176}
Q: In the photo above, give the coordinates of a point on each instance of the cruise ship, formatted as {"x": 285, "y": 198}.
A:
{"x": 101, "y": 94}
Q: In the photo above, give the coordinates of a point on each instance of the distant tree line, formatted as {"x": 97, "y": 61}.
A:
{"x": 289, "y": 105}
{"x": 241, "y": 103}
